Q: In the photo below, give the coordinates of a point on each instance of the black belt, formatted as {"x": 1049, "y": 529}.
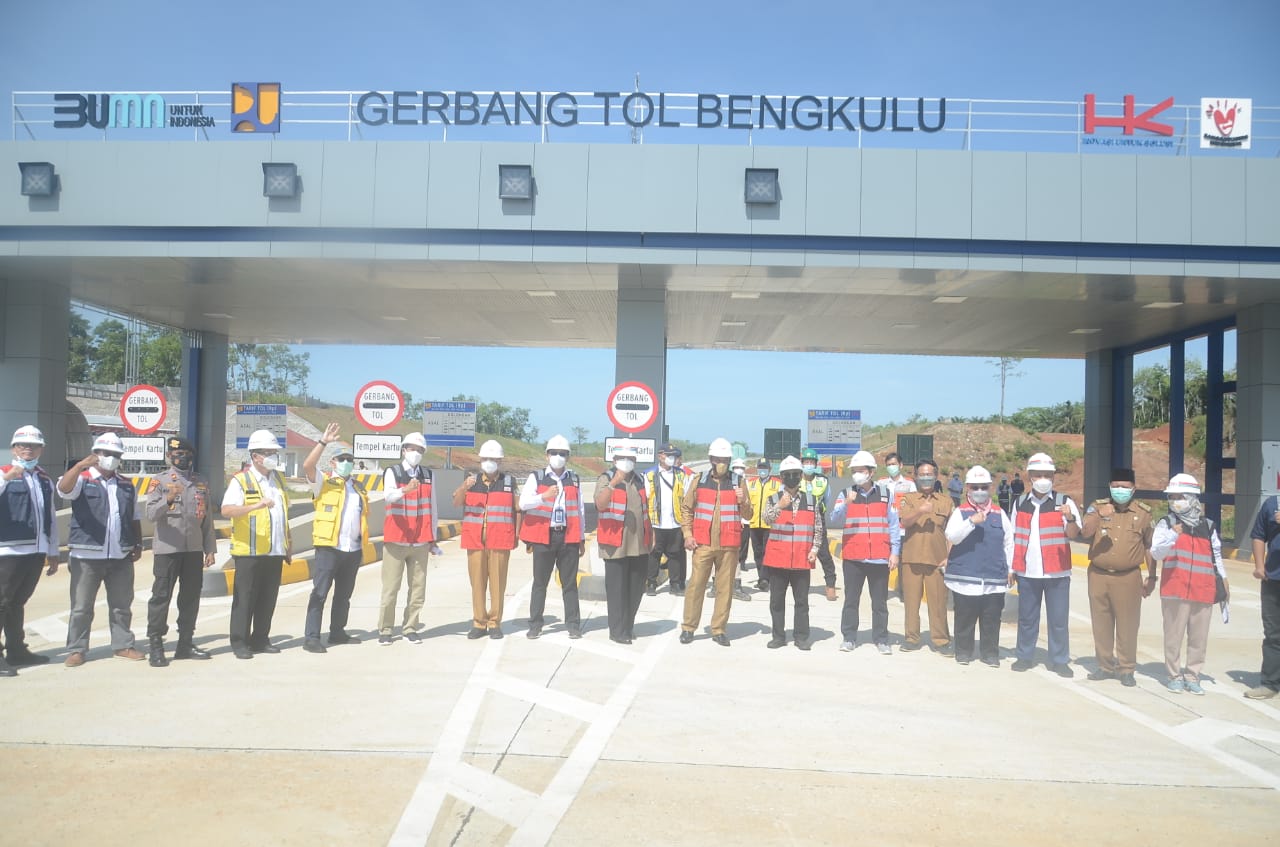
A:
{"x": 1110, "y": 572}
{"x": 558, "y": 528}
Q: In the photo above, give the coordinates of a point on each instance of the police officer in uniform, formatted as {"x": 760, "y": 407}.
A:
{"x": 1120, "y": 532}
{"x": 178, "y": 505}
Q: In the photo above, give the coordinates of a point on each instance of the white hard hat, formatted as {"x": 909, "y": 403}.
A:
{"x": 1183, "y": 483}
{"x": 263, "y": 439}
{"x": 491, "y": 450}
{"x": 977, "y": 475}
{"x": 1040, "y": 462}
{"x": 791, "y": 463}
{"x": 738, "y": 465}
{"x": 108, "y": 441}
{"x": 623, "y": 449}
{"x": 862, "y": 459}
{"x": 28, "y": 435}
{"x": 414, "y": 439}
{"x": 720, "y": 448}
{"x": 557, "y": 442}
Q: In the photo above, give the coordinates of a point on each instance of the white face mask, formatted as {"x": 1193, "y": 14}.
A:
{"x": 1042, "y": 486}
{"x": 668, "y": 462}
{"x": 270, "y": 463}
{"x": 556, "y": 462}
{"x": 625, "y": 465}
{"x": 489, "y": 466}
{"x": 980, "y": 498}
{"x": 412, "y": 458}
{"x": 861, "y": 478}
{"x": 108, "y": 463}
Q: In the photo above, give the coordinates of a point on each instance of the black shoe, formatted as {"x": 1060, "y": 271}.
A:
{"x": 385, "y": 640}
{"x": 803, "y": 644}
{"x": 6, "y": 669}
{"x": 775, "y": 643}
{"x": 495, "y": 633}
{"x": 991, "y": 663}
{"x": 962, "y": 661}
{"x": 313, "y": 645}
{"x": 686, "y": 637}
{"x": 1127, "y": 680}
{"x": 651, "y": 589}
{"x": 266, "y": 648}
{"x": 347, "y": 638}
{"x": 187, "y": 650}
{"x": 762, "y": 585}
{"x": 412, "y": 636}
{"x": 1063, "y": 671}
{"x": 535, "y": 630}
{"x": 947, "y": 649}
{"x": 575, "y": 632}
{"x": 721, "y": 639}
{"x": 155, "y": 654}
{"x": 476, "y": 632}
{"x": 242, "y": 652}
{"x": 1022, "y": 665}
{"x": 711, "y": 593}
{"x": 623, "y": 640}
{"x": 1099, "y": 675}
{"x": 910, "y": 646}
{"x": 740, "y": 594}
{"x": 25, "y": 658}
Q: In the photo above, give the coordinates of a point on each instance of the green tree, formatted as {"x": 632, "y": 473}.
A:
{"x": 80, "y": 352}
{"x": 110, "y": 341}
{"x": 1006, "y": 370}
{"x": 161, "y": 360}
{"x": 580, "y": 434}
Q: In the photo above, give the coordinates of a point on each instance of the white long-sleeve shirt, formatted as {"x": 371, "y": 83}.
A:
{"x": 530, "y": 499}
{"x": 112, "y": 550}
{"x": 42, "y": 545}
{"x": 1163, "y": 538}
{"x": 1035, "y": 561}
{"x": 959, "y": 528}
{"x": 392, "y": 493}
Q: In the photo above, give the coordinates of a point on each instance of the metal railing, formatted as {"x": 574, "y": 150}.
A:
{"x": 638, "y": 117}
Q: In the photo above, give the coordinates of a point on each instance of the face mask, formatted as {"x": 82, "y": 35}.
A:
{"x": 1122, "y": 495}
{"x": 720, "y": 467}
{"x": 763, "y": 474}
{"x": 893, "y": 470}
{"x": 791, "y": 479}
{"x": 861, "y": 478}
{"x": 979, "y": 498}
{"x": 1042, "y": 486}
{"x": 925, "y": 483}
{"x": 270, "y": 463}
{"x": 1181, "y": 506}
{"x": 810, "y": 470}
{"x": 625, "y": 465}
{"x": 344, "y": 469}
{"x": 108, "y": 463}
{"x": 26, "y": 464}
{"x": 182, "y": 463}
{"x": 412, "y": 458}
{"x": 489, "y": 466}
{"x": 668, "y": 462}
{"x": 556, "y": 462}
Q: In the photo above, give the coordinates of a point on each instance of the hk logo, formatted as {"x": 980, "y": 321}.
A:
{"x": 255, "y": 107}
{"x": 1130, "y": 120}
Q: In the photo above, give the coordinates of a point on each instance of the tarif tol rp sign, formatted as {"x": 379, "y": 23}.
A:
{"x": 633, "y": 407}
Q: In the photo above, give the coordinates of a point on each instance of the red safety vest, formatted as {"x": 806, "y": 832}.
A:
{"x": 791, "y": 536}
{"x": 1055, "y": 552}
{"x": 409, "y": 519}
{"x": 536, "y": 526}
{"x": 709, "y": 498}
{"x": 613, "y": 520}
{"x": 866, "y": 527}
{"x": 489, "y": 516}
{"x": 1188, "y": 572}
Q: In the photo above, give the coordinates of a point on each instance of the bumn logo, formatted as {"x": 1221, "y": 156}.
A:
{"x": 104, "y": 110}
{"x": 255, "y": 107}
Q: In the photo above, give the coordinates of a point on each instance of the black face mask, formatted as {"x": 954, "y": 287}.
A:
{"x": 182, "y": 463}
{"x": 791, "y": 479}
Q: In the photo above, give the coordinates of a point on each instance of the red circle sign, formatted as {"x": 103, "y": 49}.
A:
{"x": 633, "y": 407}
{"x": 379, "y": 405}
{"x": 142, "y": 409}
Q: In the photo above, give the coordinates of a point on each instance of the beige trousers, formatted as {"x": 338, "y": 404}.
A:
{"x": 925, "y": 581}
{"x": 398, "y": 562}
{"x": 725, "y": 562}
{"x": 1185, "y": 619}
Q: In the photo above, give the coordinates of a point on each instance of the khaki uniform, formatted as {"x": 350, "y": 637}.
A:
{"x": 723, "y": 559}
{"x": 924, "y": 548}
{"x": 1118, "y": 547}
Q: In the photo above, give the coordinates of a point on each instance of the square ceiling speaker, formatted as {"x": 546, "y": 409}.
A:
{"x": 279, "y": 179}
{"x": 762, "y": 185}
{"x": 38, "y": 179}
{"x": 515, "y": 182}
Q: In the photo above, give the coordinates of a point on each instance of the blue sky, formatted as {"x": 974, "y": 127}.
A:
{"x": 1013, "y": 50}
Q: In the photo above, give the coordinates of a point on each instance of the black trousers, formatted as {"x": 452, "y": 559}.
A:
{"x": 623, "y": 588}
{"x": 759, "y": 540}
{"x": 186, "y": 570}
{"x": 797, "y": 579}
{"x": 336, "y": 569}
{"x": 562, "y": 558}
{"x": 253, "y": 599}
{"x": 18, "y": 578}
{"x": 668, "y": 542}
{"x": 828, "y": 566}
{"x": 876, "y": 576}
{"x": 1271, "y": 634}
{"x": 984, "y": 611}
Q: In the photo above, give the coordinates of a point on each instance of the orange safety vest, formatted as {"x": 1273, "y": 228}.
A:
{"x": 488, "y": 516}
{"x": 866, "y": 527}
{"x": 409, "y": 519}
{"x": 711, "y": 498}
{"x": 1055, "y": 552}
{"x": 1188, "y": 572}
{"x": 613, "y": 520}
{"x": 536, "y": 527}
{"x": 791, "y": 536}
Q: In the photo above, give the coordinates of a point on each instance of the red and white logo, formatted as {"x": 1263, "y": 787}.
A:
{"x": 1225, "y": 122}
{"x": 1130, "y": 120}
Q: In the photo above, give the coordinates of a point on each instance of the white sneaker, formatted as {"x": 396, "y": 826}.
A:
{"x": 847, "y": 647}
{"x": 884, "y": 649}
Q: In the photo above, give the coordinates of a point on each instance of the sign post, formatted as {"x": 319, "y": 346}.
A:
{"x": 142, "y": 409}
{"x": 835, "y": 430}
{"x": 379, "y": 405}
{"x": 254, "y": 416}
{"x": 449, "y": 424}
{"x": 632, "y": 407}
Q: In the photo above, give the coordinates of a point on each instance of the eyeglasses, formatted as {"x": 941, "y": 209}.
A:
{"x": 564, "y": 453}
{"x": 26, "y": 446}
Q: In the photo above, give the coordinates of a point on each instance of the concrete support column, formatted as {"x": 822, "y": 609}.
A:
{"x": 1108, "y": 419}
{"x": 204, "y": 403}
{"x": 1257, "y": 409}
{"x": 642, "y": 340}
{"x": 35, "y": 318}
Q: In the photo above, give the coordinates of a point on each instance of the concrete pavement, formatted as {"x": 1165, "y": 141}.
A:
{"x": 569, "y": 742}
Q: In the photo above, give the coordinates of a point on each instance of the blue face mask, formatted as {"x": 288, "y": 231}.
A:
{"x": 1122, "y": 495}
{"x": 27, "y": 464}
{"x": 810, "y": 470}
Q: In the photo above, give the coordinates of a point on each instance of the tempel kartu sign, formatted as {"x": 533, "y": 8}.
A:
{"x": 449, "y": 423}
{"x": 835, "y": 430}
